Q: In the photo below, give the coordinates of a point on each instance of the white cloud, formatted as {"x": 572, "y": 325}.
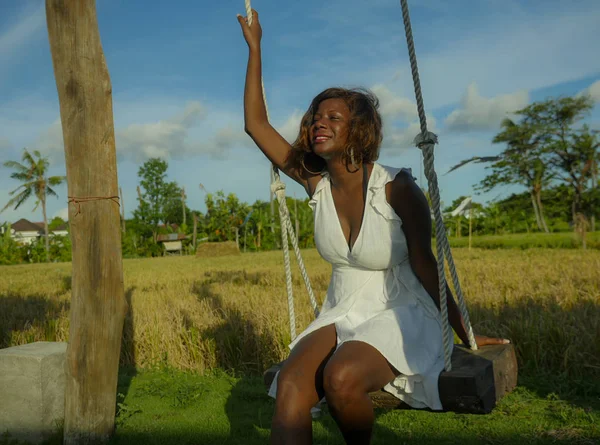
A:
{"x": 396, "y": 140}
{"x": 477, "y": 113}
{"x": 503, "y": 46}
{"x": 593, "y": 90}
{"x": 165, "y": 138}
{"x": 400, "y": 120}
{"x": 393, "y": 106}
{"x": 187, "y": 132}
{"x": 22, "y": 31}
{"x": 290, "y": 128}
{"x": 229, "y": 137}
{"x": 62, "y": 214}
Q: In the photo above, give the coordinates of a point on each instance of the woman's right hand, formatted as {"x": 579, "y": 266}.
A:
{"x": 252, "y": 33}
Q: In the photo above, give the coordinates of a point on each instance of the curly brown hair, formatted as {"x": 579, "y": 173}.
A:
{"x": 365, "y": 129}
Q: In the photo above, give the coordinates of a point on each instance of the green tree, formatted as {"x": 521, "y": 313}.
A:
{"x": 521, "y": 162}
{"x": 155, "y": 195}
{"x": 575, "y": 157}
{"x": 224, "y": 215}
{"x": 56, "y": 222}
{"x": 540, "y": 147}
{"x": 174, "y": 206}
{"x": 9, "y": 248}
{"x": 492, "y": 218}
{"x": 570, "y": 152}
{"x": 32, "y": 172}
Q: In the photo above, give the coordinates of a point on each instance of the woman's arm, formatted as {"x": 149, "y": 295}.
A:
{"x": 256, "y": 124}
{"x": 410, "y": 204}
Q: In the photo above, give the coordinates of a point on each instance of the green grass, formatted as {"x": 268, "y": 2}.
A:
{"x": 561, "y": 240}
{"x": 209, "y": 315}
{"x": 173, "y": 407}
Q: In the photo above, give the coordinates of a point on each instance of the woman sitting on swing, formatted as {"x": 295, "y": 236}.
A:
{"x": 380, "y": 325}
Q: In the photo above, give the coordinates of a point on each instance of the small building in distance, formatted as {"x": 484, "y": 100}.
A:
{"x": 172, "y": 242}
{"x": 25, "y": 231}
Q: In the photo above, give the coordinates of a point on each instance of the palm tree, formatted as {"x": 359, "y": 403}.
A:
{"x": 32, "y": 173}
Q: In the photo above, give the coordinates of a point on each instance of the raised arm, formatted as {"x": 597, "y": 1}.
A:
{"x": 410, "y": 204}
{"x": 256, "y": 124}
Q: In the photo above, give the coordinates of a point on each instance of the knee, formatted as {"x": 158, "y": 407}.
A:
{"x": 292, "y": 389}
{"x": 340, "y": 382}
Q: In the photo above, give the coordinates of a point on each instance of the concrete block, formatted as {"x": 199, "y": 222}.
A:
{"x": 32, "y": 390}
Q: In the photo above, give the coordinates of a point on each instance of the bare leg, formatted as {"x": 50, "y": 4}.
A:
{"x": 300, "y": 387}
{"x": 355, "y": 370}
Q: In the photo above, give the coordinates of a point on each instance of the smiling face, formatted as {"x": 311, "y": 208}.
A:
{"x": 340, "y": 124}
{"x": 329, "y": 131}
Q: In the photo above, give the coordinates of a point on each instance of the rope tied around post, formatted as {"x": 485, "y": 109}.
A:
{"x": 78, "y": 200}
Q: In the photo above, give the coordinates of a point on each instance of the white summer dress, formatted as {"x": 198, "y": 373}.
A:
{"x": 374, "y": 295}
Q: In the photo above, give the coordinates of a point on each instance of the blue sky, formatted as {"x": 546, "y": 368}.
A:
{"x": 177, "y": 71}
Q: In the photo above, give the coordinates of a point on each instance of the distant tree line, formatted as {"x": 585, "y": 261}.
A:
{"x": 545, "y": 152}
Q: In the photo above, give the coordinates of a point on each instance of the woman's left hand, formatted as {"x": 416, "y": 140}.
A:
{"x": 482, "y": 340}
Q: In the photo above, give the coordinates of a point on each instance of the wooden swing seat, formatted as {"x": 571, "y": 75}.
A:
{"x": 476, "y": 383}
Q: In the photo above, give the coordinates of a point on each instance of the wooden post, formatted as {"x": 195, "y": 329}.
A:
{"x": 98, "y": 303}
{"x": 122, "y": 209}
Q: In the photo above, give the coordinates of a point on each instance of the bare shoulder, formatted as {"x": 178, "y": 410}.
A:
{"x": 403, "y": 187}
{"x": 409, "y": 202}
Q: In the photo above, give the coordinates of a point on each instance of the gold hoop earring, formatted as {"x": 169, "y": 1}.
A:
{"x": 352, "y": 161}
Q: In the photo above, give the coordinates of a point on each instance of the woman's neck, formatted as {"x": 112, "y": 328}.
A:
{"x": 345, "y": 177}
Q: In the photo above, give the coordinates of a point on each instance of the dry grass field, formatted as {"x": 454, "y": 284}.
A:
{"x": 230, "y": 312}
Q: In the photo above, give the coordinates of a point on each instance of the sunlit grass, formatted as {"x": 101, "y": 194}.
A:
{"x": 231, "y": 312}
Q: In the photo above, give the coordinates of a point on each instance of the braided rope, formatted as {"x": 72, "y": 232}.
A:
{"x": 462, "y": 305}
{"x": 294, "y": 239}
{"x": 440, "y": 231}
{"x": 426, "y": 141}
{"x": 286, "y": 261}
{"x": 278, "y": 188}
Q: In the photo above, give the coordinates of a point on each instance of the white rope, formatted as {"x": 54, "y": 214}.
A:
{"x": 278, "y": 188}
{"x": 426, "y": 141}
{"x": 286, "y": 262}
